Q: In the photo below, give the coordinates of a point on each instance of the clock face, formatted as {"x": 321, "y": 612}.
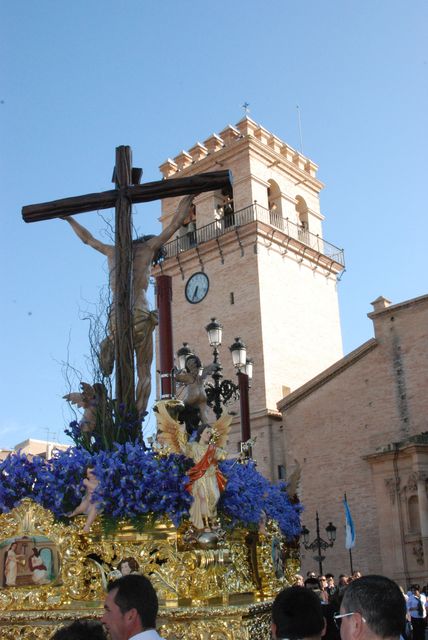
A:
{"x": 197, "y": 287}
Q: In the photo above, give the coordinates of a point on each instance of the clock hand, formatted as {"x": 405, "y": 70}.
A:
{"x": 195, "y": 292}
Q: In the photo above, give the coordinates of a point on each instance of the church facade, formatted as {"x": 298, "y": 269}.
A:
{"x": 254, "y": 257}
{"x": 361, "y": 428}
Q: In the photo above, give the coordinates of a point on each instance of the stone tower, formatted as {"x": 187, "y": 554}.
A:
{"x": 268, "y": 274}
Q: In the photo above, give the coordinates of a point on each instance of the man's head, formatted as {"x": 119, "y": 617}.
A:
{"x": 376, "y": 608}
{"x": 297, "y": 614}
{"x": 312, "y": 584}
{"x": 81, "y": 630}
{"x": 131, "y": 606}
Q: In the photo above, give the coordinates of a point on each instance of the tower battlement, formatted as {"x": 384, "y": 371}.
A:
{"x": 229, "y": 136}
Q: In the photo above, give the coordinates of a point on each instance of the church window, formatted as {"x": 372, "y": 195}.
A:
{"x": 281, "y": 472}
{"x": 413, "y": 511}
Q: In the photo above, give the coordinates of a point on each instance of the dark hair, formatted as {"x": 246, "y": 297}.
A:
{"x": 380, "y": 601}
{"x": 81, "y": 630}
{"x": 132, "y": 563}
{"x": 297, "y": 613}
{"x": 201, "y": 429}
{"x": 312, "y": 583}
{"x": 415, "y": 587}
{"x": 136, "y": 592}
{"x": 197, "y": 360}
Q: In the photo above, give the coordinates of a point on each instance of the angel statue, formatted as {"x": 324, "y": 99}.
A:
{"x": 92, "y": 398}
{"x": 87, "y": 506}
{"x": 195, "y": 397}
{"x": 206, "y": 481}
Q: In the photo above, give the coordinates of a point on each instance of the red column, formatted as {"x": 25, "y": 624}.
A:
{"x": 244, "y": 403}
{"x": 166, "y": 351}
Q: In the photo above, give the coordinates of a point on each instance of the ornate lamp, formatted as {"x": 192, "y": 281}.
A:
{"x": 215, "y": 332}
{"x": 239, "y": 354}
{"x": 331, "y": 532}
{"x": 305, "y": 534}
{"x": 248, "y": 368}
{"x": 182, "y": 355}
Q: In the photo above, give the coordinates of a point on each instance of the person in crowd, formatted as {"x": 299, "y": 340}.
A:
{"x": 331, "y": 586}
{"x": 373, "y": 608}
{"x": 312, "y": 584}
{"x": 343, "y": 581}
{"x": 130, "y": 609}
{"x": 81, "y": 630}
{"x": 297, "y": 615}
{"x": 322, "y": 581}
{"x": 416, "y": 608}
{"x": 298, "y": 581}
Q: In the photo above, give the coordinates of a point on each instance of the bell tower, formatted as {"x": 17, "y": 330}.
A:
{"x": 256, "y": 260}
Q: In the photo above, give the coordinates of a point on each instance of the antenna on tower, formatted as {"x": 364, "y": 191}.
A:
{"x": 245, "y": 106}
{"x": 300, "y": 128}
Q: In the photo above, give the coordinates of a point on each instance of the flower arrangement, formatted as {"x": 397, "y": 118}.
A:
{"x": 136, "y": 483}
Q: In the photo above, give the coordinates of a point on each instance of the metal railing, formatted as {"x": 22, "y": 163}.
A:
{"x": 253, "y": 213}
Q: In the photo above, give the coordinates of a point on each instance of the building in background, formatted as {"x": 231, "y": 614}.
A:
{"x": 361, "y": 427}
{"x": 255, "y": 258}
{"x": 32, "y": 447}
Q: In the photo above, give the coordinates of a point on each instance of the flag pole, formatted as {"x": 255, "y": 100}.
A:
{"x": 345, "y": 500}
{"x": 350, "y": 560}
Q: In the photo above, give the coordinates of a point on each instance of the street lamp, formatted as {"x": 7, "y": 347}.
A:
{"x": 182, "y": 355}
{"x": 319, "y": 544}
{"x": 239, "y": 354}
{"x": 222, "y": 390}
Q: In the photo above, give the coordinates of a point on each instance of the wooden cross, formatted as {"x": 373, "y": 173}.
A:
{"x": 122, "y": 197}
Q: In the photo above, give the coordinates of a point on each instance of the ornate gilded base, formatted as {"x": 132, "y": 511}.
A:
{"x": 219, "y": 586}
{"x": 245, "y": 622}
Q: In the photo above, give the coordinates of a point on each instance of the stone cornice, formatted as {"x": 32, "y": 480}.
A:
{"x": 327, "y": 375}
{"x": 418, "y": 442}
{"x": 259, "y": 138}
{"x": 398, "y": 307}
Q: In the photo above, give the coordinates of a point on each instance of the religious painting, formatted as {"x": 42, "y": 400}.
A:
{"x": 277, "y": 558}
{"x": 28, "y": 561}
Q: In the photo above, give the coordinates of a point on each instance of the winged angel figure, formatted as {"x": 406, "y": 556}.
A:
{"x": 206, "y": 481}
{"x": 92, "y": 398}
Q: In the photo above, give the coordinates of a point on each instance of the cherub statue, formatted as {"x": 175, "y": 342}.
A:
{"x": 205, "y": 479}
{"x": 92, "y": 398}
{"x": 87, "y": 506}
{"x": 193, "y": 376}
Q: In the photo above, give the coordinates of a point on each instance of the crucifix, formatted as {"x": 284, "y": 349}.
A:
{"x": 122, "y": 254}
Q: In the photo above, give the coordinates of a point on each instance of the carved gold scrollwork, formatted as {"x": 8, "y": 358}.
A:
{"x": 234, "y": 568}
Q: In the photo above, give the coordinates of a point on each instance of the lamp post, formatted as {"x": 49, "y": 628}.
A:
{"x": 319, "y": 544}
{"x": 244, "y": 366}
{"x": 222, "y": 390}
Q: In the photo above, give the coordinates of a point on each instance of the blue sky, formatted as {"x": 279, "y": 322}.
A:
{"x": 80, "y": 78}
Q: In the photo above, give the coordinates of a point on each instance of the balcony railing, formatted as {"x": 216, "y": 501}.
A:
{"x": 253, "y": 213}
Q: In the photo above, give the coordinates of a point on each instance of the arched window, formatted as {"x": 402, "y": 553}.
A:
{"x": 302, "y": 219}
{"x": 274, "y": 202}
{"x": 414, "y": 519}
{"x": 224, "y": 207}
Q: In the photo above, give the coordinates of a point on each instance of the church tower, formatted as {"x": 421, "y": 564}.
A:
{"x": 256, "y": 260}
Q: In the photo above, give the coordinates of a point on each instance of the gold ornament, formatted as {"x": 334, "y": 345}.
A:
{"x": 218, "y": 588}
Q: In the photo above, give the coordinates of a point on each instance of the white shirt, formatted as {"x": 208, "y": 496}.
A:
{"x": 412, "y": 605}
{"x": 150, "y": 634}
